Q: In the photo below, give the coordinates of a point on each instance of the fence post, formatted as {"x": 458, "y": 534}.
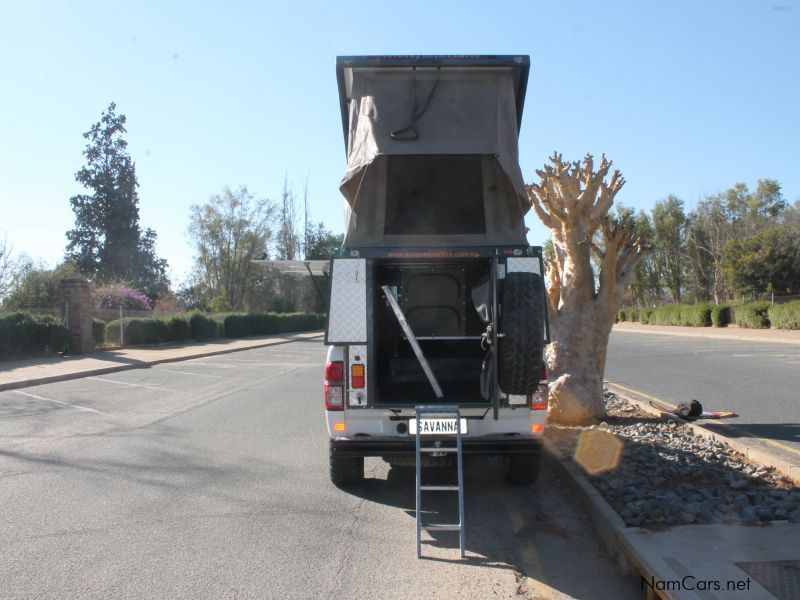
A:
{"x": 121, "y": 331}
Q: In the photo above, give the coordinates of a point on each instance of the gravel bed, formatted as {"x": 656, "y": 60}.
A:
{"x": 667, "y": 475}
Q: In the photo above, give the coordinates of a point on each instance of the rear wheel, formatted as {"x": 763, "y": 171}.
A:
{"x": 345, "y": 470}
{"x": 522, "y": 323}
{"x": 523, "y": 469}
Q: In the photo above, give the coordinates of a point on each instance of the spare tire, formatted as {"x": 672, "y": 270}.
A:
{"x": 522, "y": 321}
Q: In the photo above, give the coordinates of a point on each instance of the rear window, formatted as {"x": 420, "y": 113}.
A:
{"x": 434, "y": 195}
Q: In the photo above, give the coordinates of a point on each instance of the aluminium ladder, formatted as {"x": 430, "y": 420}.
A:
{"x": 420, "y": 449}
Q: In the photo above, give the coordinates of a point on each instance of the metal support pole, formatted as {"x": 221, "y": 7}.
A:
{"x": 495, "y": 387}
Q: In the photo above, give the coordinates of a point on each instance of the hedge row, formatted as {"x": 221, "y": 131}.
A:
{"x": 244, "y": 325}
{"x": 785, "y": 316}
{"x": 688, "y": 315}
{"x": 201, "y": 327}
{"x": 147, "y": 331}
{"x": 23, "y": 335}
{"x": 757, "y": 315}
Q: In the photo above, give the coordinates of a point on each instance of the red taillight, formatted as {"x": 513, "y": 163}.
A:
{"x": 334, "y": 385}
{"x": 334, "y": 372}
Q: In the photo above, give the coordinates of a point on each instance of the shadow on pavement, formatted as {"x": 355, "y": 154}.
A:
{"x": 537, "y": 531}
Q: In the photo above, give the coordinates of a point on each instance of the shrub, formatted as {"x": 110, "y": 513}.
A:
{"x": 753, "y": 316}
{"x": 666, "y": 315}
{"x": 696, "y": 315}
{"x": 646, "y": 315}
{"x": 98, "y": 332}
{"x": 179, "y": 329}
{"x": 116, "y": 295}
{"x": 721, "y": 315}
{"x": 785, "y": 316}
{"x": 24, "y": 335}
{"x": 147, "y": 331}
{"x": 267, "y": 323}
{"x": 205, "y": 328}
{"x": 621, "y": 315}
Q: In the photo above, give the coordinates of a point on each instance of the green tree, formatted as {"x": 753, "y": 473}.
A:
{"x": 228, "y": 232}
{"x": 752, "y": 212}
{"x": 645, "y": 286}
{"x": 287, "y": 242}
{"x": 766, "y": 261}
{"x": 669, "y": 243}
{"x": 36, "y": 286}
{"x": 11, "y": 268}
{"x": 107, "y": 243}
{"x": 321, "y": 241}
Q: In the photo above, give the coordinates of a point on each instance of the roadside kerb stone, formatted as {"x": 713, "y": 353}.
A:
{"x": 606, "y": 522}
{"x": 788, "y": 469}
{"x": 201, "y": 353}
{"x": 778, "y": 336}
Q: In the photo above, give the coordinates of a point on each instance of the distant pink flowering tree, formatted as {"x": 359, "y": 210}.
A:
{"x": 117, "y": 295}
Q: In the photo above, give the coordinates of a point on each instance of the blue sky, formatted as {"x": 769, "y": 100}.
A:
{"x": 685, "y": 97}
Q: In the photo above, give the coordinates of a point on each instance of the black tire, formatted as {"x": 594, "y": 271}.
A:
{"x": 522, "y": 321}
{"x": 346, "y": 470}
{"x": 523, "y": 469}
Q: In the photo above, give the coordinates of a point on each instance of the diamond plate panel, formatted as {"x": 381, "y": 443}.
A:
{"x": 522, "y": 265}
{"x": 347, "y": 319}
{"x": 780, "y": 577}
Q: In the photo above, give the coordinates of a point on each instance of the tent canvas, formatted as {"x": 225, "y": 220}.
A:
{"x": 428, "y": 138}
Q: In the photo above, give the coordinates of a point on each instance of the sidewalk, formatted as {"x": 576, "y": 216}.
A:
{"x": 731, "y": 332}
{"x": 692, "y": 562}
{"x": 36, "y": 371}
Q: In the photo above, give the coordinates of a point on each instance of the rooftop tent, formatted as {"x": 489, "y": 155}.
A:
{"x": 432, "y": 154}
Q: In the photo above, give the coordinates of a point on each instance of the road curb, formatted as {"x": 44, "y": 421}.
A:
{"x": 753, "y": 452}
{"x": 608, "y": 525}
{"x": 606, "y": 522}
{"x": 144, "y": 364}
{"x": 708, "y": 335}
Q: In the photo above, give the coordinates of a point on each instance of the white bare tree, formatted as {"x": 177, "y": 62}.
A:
{"x": 573, "y": 200}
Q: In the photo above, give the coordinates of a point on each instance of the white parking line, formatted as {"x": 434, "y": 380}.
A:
{"x": 187, "y": 373}
{"x": 141, "y": 385}
{"x": 78, "y": 406}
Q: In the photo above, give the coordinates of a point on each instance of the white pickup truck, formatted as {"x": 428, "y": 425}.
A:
{"x": 435, "y": 295}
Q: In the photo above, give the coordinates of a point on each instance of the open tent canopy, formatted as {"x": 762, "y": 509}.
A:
{"x": 432, "y": 149}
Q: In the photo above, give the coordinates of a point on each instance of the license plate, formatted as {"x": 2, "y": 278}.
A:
{"x": 436, "y": 427}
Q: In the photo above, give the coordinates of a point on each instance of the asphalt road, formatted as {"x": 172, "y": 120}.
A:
{"x": 208, "y": 479}
{"x": 760, "y": 381}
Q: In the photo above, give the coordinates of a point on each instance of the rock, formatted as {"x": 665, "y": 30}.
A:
{"x": 692, "y": 507}
{"x": 695, "y": 497}
{"x": 763, "y": 513}
{"x": 795, "y": 515}
{"x": 735, "y": 483}
{"x": 686, "y": 517}
{"x": 749, "y": 516}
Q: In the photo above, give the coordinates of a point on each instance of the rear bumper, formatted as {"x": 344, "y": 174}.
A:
{"x": 402, "y": 447}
